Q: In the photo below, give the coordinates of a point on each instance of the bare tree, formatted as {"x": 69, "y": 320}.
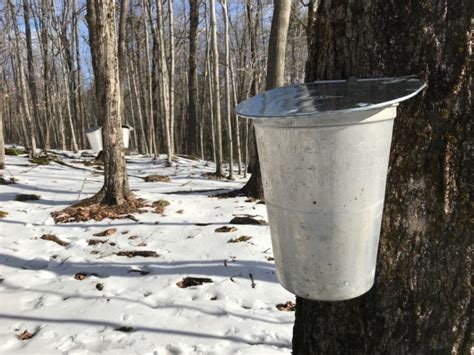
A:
{"x": 275, "y": 78}
{"x": 227, "y": 88}
{"x": 191, "y": 139}
{"x": 216, "y": 88}
{"x": 22, "y": 80}
{"x": 102, "y": 38}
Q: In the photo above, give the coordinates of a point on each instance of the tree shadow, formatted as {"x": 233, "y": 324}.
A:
{"x": 238, "y": 269}
{"x": 157, "y": 304}
{"x": 115, "y": 325}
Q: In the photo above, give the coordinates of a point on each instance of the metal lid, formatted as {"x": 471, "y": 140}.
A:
{"x": 323, "y": 97}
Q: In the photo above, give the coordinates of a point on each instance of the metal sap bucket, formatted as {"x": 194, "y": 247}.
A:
{"x": 324, "y": 149}
{"x": 94, "y": 136}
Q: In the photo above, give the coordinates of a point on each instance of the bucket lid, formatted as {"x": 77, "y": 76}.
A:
{"x": 333, "y": 96}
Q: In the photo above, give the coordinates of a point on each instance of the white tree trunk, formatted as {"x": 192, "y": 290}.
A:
{"x": 216, "y": 89}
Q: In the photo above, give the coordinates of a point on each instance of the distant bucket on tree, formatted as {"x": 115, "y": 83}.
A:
{"x": 324, "y": 149}
{"x": 94, "y": 136}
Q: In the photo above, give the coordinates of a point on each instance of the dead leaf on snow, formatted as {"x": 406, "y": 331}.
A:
{"x": 286, "y": 307}
{"x": 25, "y": 335}
{"x": 243, "y": 238}
{"x": 53, "y": 238}
{"x": 160, "y": 206}
{"x": 3, "y": 214}
{"x": 96, "y": 241}
{"x": 193, "y": 281}
{"x": 106, "y": 233}
{"x": 180, "y": 211}
{"x": 248, "y": 220}
{"x": 83, "y": 275}
{"x": 225, "y": 229}
{"x": 125, "y": 329}
{"x": 143, "y": 253}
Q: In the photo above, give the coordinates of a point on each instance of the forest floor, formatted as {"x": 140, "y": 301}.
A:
{"x": 64, "y": 290}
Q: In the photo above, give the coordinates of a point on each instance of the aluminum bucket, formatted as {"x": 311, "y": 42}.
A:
{"x": 94, "y": 136}
{"x": 324, "y": 183}
{"x": 324, "y": 149}
{"x": 126, "y": 136}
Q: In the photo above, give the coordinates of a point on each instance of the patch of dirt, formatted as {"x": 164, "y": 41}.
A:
{"x": 213, "y": 176}
{"x": 160, "y": 205}
{"x": 14, "y": 151}
{"x": 157, "y": 178}
{"x": 248, "y": 220}
{"x": 142, "y": 253}
{"x": 193, "y": 281}
{"x": 286, "y": 307}
{"x": 3, "y": 214}
{"x": 4, "y": 181}
{"x": 105, "y": 233}
{"x": 99, "y": 212}
{"x": 241, "y": 239}
{"x": 27, "y": 197}
{"x": 53, "y": 238}
{"x": 44, "y": 160}
{"x": 225, "y": 229}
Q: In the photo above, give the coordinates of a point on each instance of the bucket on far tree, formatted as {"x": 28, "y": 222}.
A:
{"x": 324, "y": 150}
{"x": 94, "y": 136}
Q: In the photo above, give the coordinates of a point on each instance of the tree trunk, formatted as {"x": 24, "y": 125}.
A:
{"x": 2, "y": 142}
{"x": 216, "y": 89}
{"x": 421, "y": 300}
{"x": 275, "y": 78}
{"x": 171, "y": 77}
{"x": 191, "y": 139}
{"x": 22, "y": 80}
{"x": 227, "y": 89}
{"x": 101, "y": 21}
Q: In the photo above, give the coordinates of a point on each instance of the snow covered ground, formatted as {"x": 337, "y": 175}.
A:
{"x": 40, "y": 294}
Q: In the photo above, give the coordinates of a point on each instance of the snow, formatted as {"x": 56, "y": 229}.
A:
{"x": 38, "y": 291}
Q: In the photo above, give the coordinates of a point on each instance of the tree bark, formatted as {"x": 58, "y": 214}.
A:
{"x": 421, "y": 302}
{"x": 101, "y": 21}
{"x": 191, "y": 139}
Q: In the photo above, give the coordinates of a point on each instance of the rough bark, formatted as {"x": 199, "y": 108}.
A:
{"x": 421, "y": 300}
{"x": 101, "y": 21}
{"x": 191, "y": 139}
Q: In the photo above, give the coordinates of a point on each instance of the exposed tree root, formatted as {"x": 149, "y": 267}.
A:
{"x": 96, "y": 208}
